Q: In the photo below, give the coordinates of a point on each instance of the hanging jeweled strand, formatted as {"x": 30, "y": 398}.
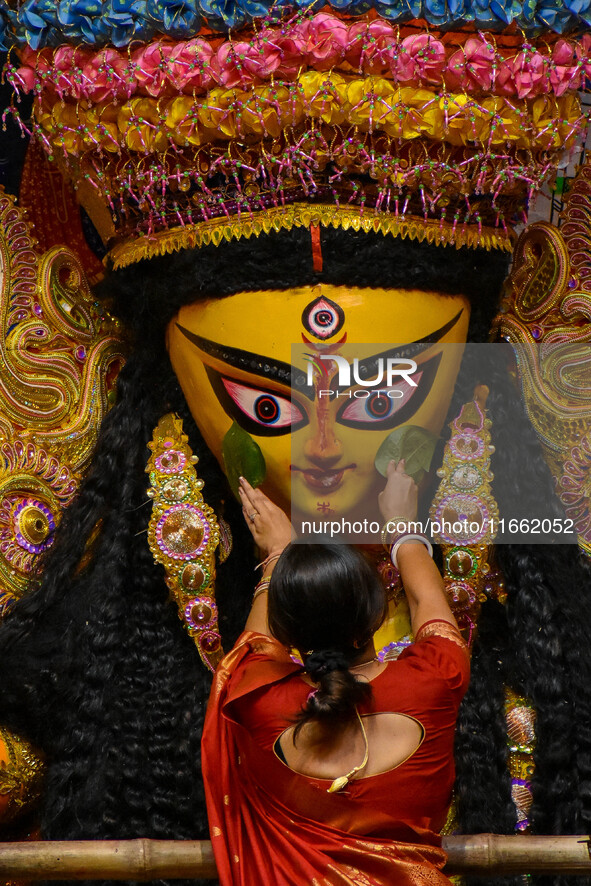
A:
{"x": 465, "y": 512}
{"x": 183, "y": 535}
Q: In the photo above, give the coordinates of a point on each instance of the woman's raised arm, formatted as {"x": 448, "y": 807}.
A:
{"x": 422, "y": 582}
{"x": 272, "y": 531}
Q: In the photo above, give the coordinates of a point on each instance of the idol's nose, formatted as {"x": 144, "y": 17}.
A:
{"x": 323, "y": 447}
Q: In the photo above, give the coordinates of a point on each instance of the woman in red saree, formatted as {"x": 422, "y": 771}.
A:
{"x": 338, "y": 773}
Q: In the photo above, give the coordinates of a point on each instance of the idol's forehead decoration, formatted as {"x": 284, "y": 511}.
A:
{"x": 323, "y": 318}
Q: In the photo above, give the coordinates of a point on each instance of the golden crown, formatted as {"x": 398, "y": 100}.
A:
{"x": 183, "y": 123}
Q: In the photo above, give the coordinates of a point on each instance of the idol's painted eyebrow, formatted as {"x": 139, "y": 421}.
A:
{"x": 290, "y": 376}
{"x": 265, "y": 367}
{"x": 369, "y": 367}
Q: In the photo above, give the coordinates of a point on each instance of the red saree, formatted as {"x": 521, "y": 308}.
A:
{"x": 272, "y": 826}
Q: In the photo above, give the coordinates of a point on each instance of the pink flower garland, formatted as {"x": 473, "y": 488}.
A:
{"x": 322, "y": 43}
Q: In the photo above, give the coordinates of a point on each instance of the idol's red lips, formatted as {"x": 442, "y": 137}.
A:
{"x": 323, "y": 480}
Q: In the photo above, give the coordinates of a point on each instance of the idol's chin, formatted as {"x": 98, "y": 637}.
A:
{"x": 335, "y": 501}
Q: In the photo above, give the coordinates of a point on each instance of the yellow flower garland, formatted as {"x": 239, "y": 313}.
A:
{"x": 143, "y": 125}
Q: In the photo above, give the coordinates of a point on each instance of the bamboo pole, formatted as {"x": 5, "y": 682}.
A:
{"x": 108, "y": 860}
{"x": 193, "y": 859}
{"x": 519, "y": 854}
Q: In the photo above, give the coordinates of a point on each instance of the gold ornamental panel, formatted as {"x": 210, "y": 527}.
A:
{"x": 60, "y": 354}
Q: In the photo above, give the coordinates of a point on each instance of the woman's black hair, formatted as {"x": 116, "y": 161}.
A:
{"x": 327, "y": 601}
{"x": 95, "y": 667}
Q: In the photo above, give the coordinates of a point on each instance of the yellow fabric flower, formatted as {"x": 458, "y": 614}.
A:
{"x": 218, "y": 112}
{"x": 66, "y": 122}
{"x": 508, "y": 121}
{"x": 372, "y": 103}
{"x": 270, "y": 110}
{"x": 571, "y": 118}
{"x": 140, "y": 124}
{"x": 553, "y": 120}
{"x": 465, "y": 119}
{"x": 323, "y": 95}
{"x": 413, "y": 112}
{"x": 102, "y": 123}
{"x": 424, "y": 115}
{"x": 182, "y": 120}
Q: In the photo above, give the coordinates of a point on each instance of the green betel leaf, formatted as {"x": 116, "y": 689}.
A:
{"x": 242, "y": 458}
{"x": 414, "y": 444}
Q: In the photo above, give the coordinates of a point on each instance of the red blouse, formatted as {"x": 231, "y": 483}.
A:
{"x": 274, "y": 819}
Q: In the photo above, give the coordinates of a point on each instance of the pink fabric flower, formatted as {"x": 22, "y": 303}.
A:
{"x": 23, "y": 78}
{"x": 107, "y": 74}
{"x": 68, "y": 66}
{"x": 584, "y": 53}
{"x": 262, "y": 58}
{"x": 324, "y": 40}
{"x": 33, "y": 63}
{"x": 151, "y": 68}
{"x": 189, "y": 66}
{"x": 291, "y": 48}
{"x": 371, "y": 46}
{"x": 229, "y": 66}
{"x": 565, "y": 69}
{"x": 473, "y": 67}
{"x": 524, "y": 75}
{"x": 421, "y": 59}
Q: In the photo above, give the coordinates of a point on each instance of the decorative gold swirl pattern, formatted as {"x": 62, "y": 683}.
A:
{"x": 548, "y": 304}
{"x": 22, "y": 772}
{"x": 576, "y": 227}
{"x": 59, "y": 357}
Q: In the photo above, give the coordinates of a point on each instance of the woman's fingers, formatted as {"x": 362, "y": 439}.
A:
{"x": 250, "y": 504}
{"x": 245, "y": 491}
{"x": 248, "y": 509}
{"x": 268, "y": 525}
{"x": 395, "y": 467}
{"x": 399, "y": 496}
{"x": 256, "y": 497}
{"x": 255, "y": 507}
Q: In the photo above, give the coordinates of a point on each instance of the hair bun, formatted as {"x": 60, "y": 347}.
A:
{"x": 317, "y": 664}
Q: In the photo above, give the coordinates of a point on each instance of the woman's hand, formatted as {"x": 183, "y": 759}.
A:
{"x": 399, "y": 498}
{"x": 269, "y": 525}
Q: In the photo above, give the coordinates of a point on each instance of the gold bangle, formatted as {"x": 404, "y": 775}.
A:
{"x": 263, "y": 585}
{"x": 270, "y": 559}
{"x": 387, "y": 534}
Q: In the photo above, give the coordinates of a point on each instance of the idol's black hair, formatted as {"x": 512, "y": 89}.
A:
{"x": 534, "y": 644}
{"x": 95, "y": 668}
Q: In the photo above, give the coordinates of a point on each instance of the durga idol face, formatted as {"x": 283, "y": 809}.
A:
{"x": 236, "y": 365}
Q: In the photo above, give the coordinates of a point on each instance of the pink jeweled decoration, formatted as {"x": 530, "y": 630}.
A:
{"x": 171, "y": 462}
{"x": 182, "y": 532}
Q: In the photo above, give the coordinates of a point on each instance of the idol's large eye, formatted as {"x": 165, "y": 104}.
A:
{"x": 258, "y": 410}
{"x": 386, "y": 407}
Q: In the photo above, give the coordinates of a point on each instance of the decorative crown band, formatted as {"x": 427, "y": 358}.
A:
{"x": 306, "y": 215}
{"x": 40, "y": 23}
{"x": 180, "y": 143}
{"x": 476, "y": 64}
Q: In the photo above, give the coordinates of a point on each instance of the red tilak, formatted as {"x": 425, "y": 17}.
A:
{"x": 316, "y": 248}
